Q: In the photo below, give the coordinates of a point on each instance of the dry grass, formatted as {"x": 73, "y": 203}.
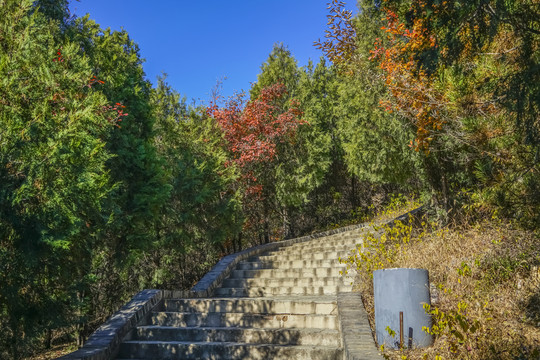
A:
{"x": 493, "y": 269}
{"x": 55, "y": 352}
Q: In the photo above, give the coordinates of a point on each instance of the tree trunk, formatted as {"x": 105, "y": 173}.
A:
{"x": 266, "y": 225}
{"x": 266, "y": 232}
{"x": 285, "y": 226}
{"x": 354, "y": 201}
{"x": 15, "y": 340}
{"x": 239, "y": 241}
{"x": 80, "y": 325}
{"x": 48, "y": 339}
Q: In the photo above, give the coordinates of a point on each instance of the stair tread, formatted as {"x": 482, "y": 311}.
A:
{"x": 239, "y": 313}
{"x": 236, "y": 328}
{"x": 298, "y": 298}
{"x": 218, "y": 343}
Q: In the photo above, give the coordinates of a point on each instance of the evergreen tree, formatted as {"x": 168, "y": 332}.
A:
{"x": 280, "y": 68}
{"x": 303, "y": 162}
{"x": 56, "y": 10}
{"x": 203, "y": 210}
{"x": 375, "y": 142}
{"x": 323, "y": 157}
{"x": 135, "y": 169}
{"x": 53, "y": 176}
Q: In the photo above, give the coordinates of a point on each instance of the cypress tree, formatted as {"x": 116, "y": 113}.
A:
{"x": 53, "y": 176}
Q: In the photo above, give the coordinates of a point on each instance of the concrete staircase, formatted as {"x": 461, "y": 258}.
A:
{"x": 279, "y": 305}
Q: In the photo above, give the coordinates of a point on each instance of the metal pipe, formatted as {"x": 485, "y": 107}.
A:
{"x": 401, "y": 329}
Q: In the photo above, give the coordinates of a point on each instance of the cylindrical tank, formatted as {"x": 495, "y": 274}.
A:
{"x": 402, "y": 291}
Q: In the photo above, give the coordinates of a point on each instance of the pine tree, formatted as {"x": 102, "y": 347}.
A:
{"x": 280, "y": 68}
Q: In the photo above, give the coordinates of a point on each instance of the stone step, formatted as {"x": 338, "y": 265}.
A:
{"x": 346, "y": 240}
{"x": 322, "y": 305}
{"x": 340, "y": 235}
{"x": 328, "y": 242}
{"x": 321, "y": 246}
{"x": 315, "y": 249}
{"x": 285, "y": 281}
{"x": 290, "y": 264}
{"x": 256, "y": 291}
{"x": 242, "y": 335}
{"x": 176, "y": 350}
{"x": 278, "y": 305}
{"x": 354, "y": 232}
{"x": 243, "y": 320}
{"x": 286, "y": 273}
{"x": 328, "y": 255}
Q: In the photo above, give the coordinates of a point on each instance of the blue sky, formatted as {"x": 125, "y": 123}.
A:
{"x": 198, "y": 42}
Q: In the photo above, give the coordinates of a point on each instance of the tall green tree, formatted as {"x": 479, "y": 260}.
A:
{"x": 135, "y": 167}
{"x": 280, "y": 68}
{"x": 316, "y": 162}
{"x": 140, "y": 184}
{"x": 56, "y": 10}
{"x": 375, "y": 142}
{"x": 203, "y": 211}
{"x": 54, "y": 181}
{"x": 304, "y": 161}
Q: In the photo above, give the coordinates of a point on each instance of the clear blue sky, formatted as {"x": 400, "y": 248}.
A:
{"x": 198, "y": 42}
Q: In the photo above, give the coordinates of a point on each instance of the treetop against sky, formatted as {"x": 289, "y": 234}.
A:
{"x": 198, "y": 43}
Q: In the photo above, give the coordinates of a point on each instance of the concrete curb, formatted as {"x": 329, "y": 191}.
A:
{"x": 358, "y": 343}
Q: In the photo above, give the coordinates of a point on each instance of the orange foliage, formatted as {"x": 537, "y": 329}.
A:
{"x": 410, "y": 85}
{"x": 339, "y": 45}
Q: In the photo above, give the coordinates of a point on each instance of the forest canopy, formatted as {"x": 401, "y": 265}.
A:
{"x": 109, "y": 184}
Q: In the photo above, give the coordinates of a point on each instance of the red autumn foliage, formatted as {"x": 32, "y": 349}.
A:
{"x": 253, "y": 132}
{"x": 59, "y": 57}
{"x": 94, "y": 80}
{"x": 114, "y": 113}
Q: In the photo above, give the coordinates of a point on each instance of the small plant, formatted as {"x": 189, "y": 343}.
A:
{"x": 390, "y": 332}
{"x": 464, "y": 270}
{"x": 381, "y": 247}
{"x": 459, "y": 330}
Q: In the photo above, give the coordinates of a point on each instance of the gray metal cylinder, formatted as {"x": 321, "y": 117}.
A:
{"x": 402, "y": 291}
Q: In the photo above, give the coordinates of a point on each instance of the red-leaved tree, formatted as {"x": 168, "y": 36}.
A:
{"x": 254, "y": 133}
